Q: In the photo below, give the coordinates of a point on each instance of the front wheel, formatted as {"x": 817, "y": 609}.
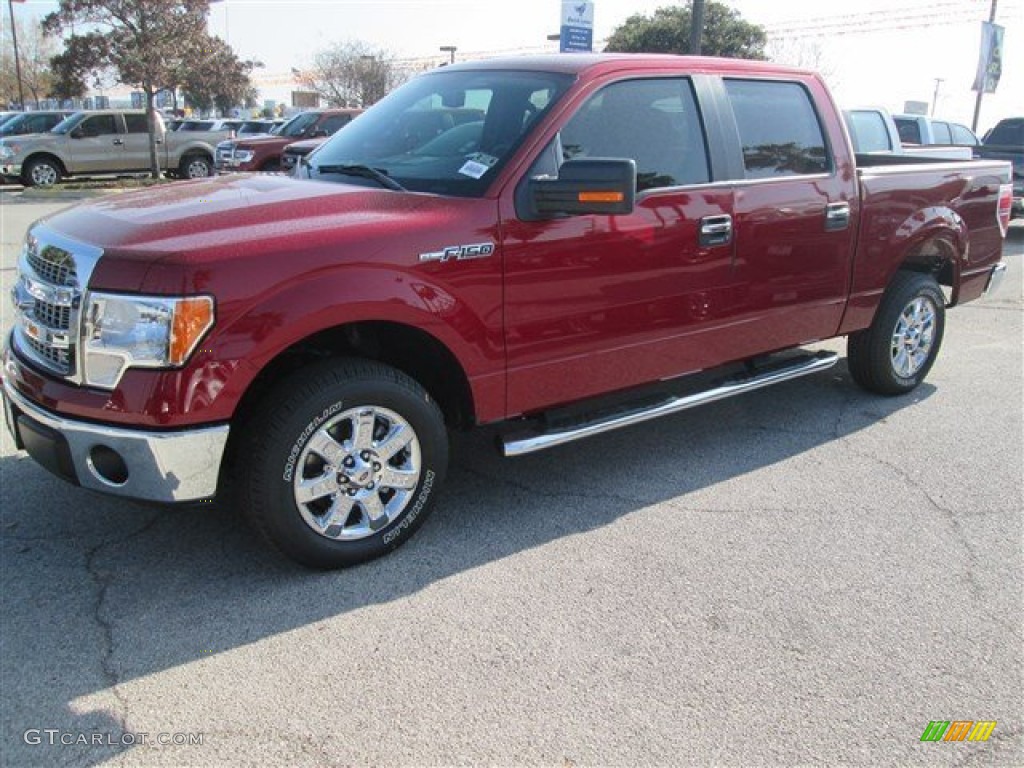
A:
{"x": 41, "y": 172}
{"x": 895, "y": 353}
{"x": 341, "y": 463}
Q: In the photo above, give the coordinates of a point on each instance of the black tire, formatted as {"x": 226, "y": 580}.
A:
{"x": 895, "y": 353}
{"x": 286, "y": 450}
{"x": 195, "y": 167}
{"x": 41, "y": 172}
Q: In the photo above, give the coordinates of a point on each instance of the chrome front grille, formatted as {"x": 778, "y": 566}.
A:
{"x": 59, "y": 360}
{"x": 52, "y": 316}
{"x": 52, "y": 274}
{"x": 224, "y": 153}
{"x": 53, "y": 265}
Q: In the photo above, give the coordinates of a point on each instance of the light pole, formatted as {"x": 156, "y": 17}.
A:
{"x": 17, "y": 58}
{"x": 981, "y": 91}
{"x": 449, "y": 49}
{"x": 696, "y": 26}
{"x": 935, "y": 98}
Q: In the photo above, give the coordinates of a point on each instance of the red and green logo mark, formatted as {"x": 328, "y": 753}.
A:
{"x": 958, "y": 730}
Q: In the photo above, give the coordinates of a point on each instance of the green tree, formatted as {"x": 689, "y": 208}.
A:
{"x": 218, "y": 79}
{"x": 668, "y": 31}
{"x": 146, "y": 44}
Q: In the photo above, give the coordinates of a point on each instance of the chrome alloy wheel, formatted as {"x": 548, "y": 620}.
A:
{"x": 357, "y": 473}
{"x": 913, "y": 337}
{"x": 197, "y": 168}
{"x": 44, "y": 175}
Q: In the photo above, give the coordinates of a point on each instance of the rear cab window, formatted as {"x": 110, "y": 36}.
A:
{"x": 779, "y": 129}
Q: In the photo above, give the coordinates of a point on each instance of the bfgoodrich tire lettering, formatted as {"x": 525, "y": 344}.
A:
{"x": 341, "y": 462}
{"x": 895, "y": 353}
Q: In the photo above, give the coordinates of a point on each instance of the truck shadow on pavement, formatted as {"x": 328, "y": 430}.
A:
{"x": 98, "y": 592}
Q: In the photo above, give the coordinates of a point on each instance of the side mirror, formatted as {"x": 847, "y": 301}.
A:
{"x": 589, "y": 185}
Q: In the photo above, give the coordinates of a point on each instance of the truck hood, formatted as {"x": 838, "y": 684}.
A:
{"x": 34, "y": 140}
{"x": 269, "y": 140}
{"x": 194, "y": 221}
{"x": 305, "y": 146}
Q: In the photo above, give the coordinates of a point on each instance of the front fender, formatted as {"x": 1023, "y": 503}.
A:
{"x": 248, "y": 336}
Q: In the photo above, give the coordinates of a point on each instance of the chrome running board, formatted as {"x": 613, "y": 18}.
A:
{"x": 521, "y": 443}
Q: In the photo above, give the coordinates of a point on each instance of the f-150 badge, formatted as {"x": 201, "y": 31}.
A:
{"x": 460, "y": 253}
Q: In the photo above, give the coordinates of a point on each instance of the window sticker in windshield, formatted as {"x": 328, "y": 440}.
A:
{"x": 483, "y": 158}
{"x": 473, "y": 169}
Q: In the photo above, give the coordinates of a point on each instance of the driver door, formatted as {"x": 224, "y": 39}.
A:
{"x": 598, "y": 303}
{"x": 98, "y": 145}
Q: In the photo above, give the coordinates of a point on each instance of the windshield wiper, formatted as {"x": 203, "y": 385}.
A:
{"x": 364, "y": 172}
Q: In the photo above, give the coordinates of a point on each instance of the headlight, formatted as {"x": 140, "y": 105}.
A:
{"x": 244, "y": 155}
{"x": 124, "y": 332}
{"x": 7, "y": 152}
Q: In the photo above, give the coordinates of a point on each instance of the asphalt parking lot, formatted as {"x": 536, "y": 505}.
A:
{"x": 805, "y": 575}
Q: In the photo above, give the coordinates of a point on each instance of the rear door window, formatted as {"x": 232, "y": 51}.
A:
{"x": 779, "y": 129}
{"x": 136, "y": 123}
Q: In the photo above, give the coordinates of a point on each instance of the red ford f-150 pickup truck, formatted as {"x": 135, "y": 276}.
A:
{"x": 616, "y": 238}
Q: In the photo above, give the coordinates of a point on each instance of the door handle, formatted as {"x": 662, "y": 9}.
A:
{"x": 715, "y": 230}
{"x": 837, "y": 216}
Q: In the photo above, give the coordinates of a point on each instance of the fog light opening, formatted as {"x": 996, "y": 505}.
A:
{"x": 108, "y": 466}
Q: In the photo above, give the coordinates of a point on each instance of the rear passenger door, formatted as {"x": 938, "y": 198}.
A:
{"x": 136, "y": 143}
{"x": 794, "y": 213}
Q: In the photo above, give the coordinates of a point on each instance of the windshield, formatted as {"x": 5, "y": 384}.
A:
{"x": 68, "y": 123}
{"x": 447, "y": 132}
{"x": 298, "y": 124}
{"x": 254, "y": 126}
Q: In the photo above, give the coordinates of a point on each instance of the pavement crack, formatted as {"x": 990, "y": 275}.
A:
{"x": 103, "y": 580}
{"x": 972, "y": 559}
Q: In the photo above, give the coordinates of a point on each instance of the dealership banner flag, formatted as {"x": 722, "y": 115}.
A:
{"x": 990, "y": 58}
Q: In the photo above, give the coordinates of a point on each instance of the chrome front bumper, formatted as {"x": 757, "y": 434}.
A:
{"x": 995, "y": 278}
{"x": 158, "y": 466}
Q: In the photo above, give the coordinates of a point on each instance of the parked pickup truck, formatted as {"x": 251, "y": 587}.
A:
{"x": 1006, "y": 142}
{"x": 919, "y": 129}
{"x": 103, "y": 142}
{"x": 263, "y": 153}
{"x": 873, "y": 130}
{"x": 623, "y": 237}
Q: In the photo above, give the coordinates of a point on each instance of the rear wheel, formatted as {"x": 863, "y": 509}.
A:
{"x": 896, "y": 352}
{"x": 342, "y": 462}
